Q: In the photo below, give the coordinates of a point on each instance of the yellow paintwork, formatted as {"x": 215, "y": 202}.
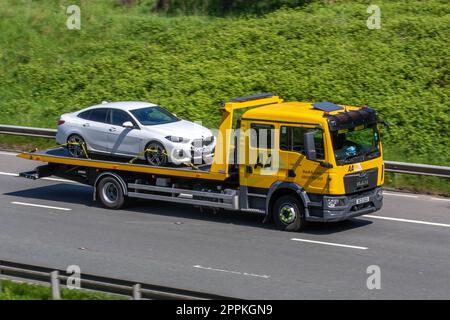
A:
{"x": 221, "y": 159}
{"x": 309, "y": 174}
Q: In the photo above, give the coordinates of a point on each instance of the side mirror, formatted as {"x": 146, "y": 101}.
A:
{"x": 128, "y": 125}
{"x": 310, "y": 145}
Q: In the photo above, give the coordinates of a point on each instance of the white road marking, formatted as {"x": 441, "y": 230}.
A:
{"x": 59, "y": 180}
{"x": 46, "y": 178}
{"x": 408, "y": 220}
{"x": 234, "y": 272}
{"x": 331, "y": 244}
{"x": 8, "y": 153}
{"x": 9, "y": 174}
{"x": 40, "y": 206}
{"x": 440, "y": 199}
{"x": 400, "y": 195}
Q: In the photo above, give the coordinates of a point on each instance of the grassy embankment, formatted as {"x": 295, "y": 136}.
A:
{"x": 10, "y": 290}
{"x": 189, "y": 63}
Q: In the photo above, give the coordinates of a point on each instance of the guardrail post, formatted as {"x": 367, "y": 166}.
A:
{"x": 54, "y": 279}
{"x": 137, "y": 292}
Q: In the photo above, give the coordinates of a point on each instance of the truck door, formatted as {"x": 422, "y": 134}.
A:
{"x": 260, "y": 167}
{"x": 296, "y": 168}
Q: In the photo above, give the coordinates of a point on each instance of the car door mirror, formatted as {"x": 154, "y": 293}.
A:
{"x": 310, "y": 145}
{"x": 128, "y": 125}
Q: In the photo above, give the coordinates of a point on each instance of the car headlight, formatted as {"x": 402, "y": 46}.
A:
{"x": 175, "y": 138}
{"x": 334, "y": 202}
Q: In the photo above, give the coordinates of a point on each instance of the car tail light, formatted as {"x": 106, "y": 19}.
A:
{"x": 60, "y": 122}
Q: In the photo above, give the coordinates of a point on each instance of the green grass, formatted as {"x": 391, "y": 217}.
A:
{"x": 189, "y": 63}
{"x": 10, "y": 290}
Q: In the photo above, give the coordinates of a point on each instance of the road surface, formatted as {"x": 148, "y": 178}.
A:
{"x": 55, "y": 223}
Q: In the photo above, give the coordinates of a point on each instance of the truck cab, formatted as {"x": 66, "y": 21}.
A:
{"x": 322, "y": 160}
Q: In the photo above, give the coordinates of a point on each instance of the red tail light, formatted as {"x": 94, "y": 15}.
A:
{"x": 60, "y": 122}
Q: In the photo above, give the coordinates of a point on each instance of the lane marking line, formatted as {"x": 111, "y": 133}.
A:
{"x": 58, "y": 180}
{"x": 408, "y": 220}
{"x": 40, "y": 206}
{"x": 440, "y": 199}
{"x": 8, "y": 153}
{"x": 46, "y": 178}
{"x": 234, "y": 272}
{"x": 9, "y": 174}
{"x": 400, "y": 195}
{"x": 330, "y": 244}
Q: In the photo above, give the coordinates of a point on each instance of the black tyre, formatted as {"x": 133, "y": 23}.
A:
{"x": 288, "y": 213}
{"x": 75, "y": 146}
{"x": 110, "y": 193}
{"x": 157, "y": 155}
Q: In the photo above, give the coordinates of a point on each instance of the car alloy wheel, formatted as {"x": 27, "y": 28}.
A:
{"x": 156, "y": 154}
{"x": 75, "y": 146}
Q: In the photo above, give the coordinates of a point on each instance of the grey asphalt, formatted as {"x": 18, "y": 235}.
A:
{"x": 232, "y": 254}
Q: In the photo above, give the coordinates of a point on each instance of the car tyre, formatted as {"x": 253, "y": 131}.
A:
{"x": 76, "y": 151}
{"x": 110, "y": 193}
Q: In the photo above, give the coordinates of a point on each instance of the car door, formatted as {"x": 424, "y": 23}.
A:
{"x": 123, "y": 141}
{"x": 95, "y": 129}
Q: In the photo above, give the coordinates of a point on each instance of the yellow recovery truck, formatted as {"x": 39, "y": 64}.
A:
{"x": 291, "y": 162}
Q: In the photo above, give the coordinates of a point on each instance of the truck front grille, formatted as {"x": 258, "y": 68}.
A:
{"x": 360, "y": 181}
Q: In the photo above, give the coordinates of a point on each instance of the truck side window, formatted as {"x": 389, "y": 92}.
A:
{"x": 262, "y": 135}
{"x": 291, "y": 139}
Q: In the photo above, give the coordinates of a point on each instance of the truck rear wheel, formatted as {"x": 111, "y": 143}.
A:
{"x": 111, "y": 193}
{"x": 288, "y": 213}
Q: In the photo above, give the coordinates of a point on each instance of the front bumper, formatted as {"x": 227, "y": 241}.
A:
{"x": 318, "y": 210}
{"x": 184, "y": 154}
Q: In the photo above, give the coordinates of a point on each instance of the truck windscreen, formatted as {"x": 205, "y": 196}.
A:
{"x": 356, "y": 144}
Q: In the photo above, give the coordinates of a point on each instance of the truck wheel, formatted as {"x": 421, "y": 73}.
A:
{"x": 288, "y": 213}
{"x": 157, "y": 155}
{"x": 110, "y": 193}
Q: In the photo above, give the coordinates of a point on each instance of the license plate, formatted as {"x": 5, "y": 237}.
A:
{"x": 362, "y": 200}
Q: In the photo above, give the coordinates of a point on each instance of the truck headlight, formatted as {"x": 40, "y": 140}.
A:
{"x": 175, "y": 138}
{"x": 379, "y": 194}
{"x": 334, "y": 202}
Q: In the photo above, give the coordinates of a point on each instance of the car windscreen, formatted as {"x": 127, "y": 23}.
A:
{"x": 153, "y": 115}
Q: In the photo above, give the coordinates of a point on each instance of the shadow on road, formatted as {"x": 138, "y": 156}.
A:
{"x": 82, "y": 195}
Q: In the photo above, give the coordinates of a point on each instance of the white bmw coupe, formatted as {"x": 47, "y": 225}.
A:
{"x": 132, "y": 129}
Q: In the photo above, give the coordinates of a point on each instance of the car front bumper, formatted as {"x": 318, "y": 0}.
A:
{"x": 184, "y": 154}
{"x": 319, "y": 211}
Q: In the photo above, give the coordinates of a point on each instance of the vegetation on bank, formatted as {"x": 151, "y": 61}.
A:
{"x": 10, "y": 290}
{"x": 190, "y": 60}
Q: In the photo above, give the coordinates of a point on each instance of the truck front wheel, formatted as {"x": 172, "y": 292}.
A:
{"x": 110, "y": 193}
{"x": 288, "y": 213}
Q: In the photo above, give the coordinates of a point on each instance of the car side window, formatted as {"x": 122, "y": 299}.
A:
{"x": 99, "y": 115}
{"x": 119, "y": 117}
{"x": 292, "y": 139}
{"x": 85, "y": 115}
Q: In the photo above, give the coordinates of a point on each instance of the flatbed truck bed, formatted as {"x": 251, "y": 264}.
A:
{"x": 62, "y": 156}
{"x": 131, "y": 180}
